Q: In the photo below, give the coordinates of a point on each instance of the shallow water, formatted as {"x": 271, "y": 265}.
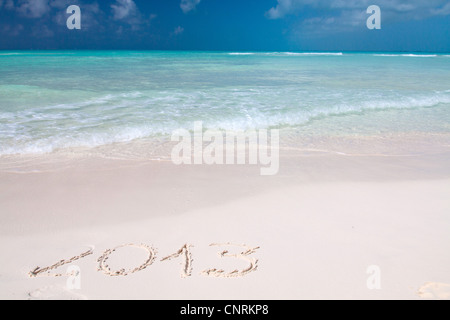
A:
{"x": 55, "y": 100}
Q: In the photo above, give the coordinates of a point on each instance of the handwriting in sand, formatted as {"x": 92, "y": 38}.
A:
{"x": 184, "y": 253}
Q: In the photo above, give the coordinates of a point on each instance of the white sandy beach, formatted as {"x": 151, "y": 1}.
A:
{"x": 316, "y": 227}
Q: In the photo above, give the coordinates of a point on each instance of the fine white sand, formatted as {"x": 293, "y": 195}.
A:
{"x": 311, "y": 232}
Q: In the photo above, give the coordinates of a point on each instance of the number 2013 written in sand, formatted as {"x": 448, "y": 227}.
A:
{"x": 184, "y": 253}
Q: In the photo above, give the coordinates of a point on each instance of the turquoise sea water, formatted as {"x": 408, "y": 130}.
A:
{"x": 57, "y": 100}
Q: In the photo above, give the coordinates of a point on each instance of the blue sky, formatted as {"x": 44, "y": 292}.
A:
{"x": 231, "y": 25}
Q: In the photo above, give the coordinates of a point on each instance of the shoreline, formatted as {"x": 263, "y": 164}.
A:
{"x": 91, "y": 178}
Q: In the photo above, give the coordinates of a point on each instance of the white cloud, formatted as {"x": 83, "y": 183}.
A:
{"x": 128, "y": 12}
{"x": 36, "y": 8}
{"x": 333, "y": 16}
{"x": 9, "y": 4}
{"x": 189, "y": 5}
{"x": 33, "y": 8}
{"x": 60, "y": 4}
{"x": 124, "y": 9}
{"x": 178, "y": 30}
{"x": 443, "y": 11}
{"x": 12, "y": 31}
{"x": 412, "y": 9}
{"x": 42, "y": 32}
{"x": 283, "y": 8}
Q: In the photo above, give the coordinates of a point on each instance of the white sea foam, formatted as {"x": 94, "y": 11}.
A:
{"x": 10, "y": 54}
{"x": 407, "y": 55}
{"x": 83, "y": 140}
{"x": 314, "y": 53}
{"x": 36, "y": 53}
{"x": 26, "y": 132}
{"x": 277, "y": 54}
{"x": 241, "y": 53}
